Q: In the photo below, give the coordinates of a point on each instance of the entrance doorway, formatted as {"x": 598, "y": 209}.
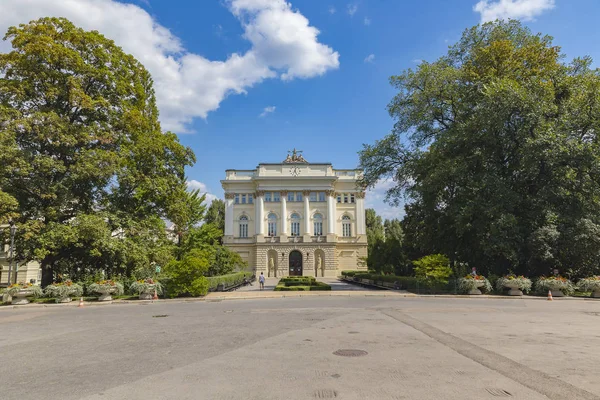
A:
{"x": 295, "y": 263}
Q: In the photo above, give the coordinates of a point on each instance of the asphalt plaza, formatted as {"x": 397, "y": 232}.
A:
{"x": 354, "y": 347}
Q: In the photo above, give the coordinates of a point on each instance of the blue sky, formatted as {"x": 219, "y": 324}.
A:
{"x": 243, "y": 81}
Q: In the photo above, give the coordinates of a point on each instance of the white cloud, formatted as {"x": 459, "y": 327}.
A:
{"x": 283, "y": 45}
{"x": 370, "y": 58}
{"x": 197, "y": 185}
{"x": 375, "y": 198}
{"x": 367, "y": 21}
{"x": 417, "y": 61}
{"x": 267, "y": 110}
{"x": 332, "y": 10}
{"x": 517, "y": 9}
{"x": 352, "y": 9}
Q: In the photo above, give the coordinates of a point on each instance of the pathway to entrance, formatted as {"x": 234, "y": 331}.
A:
{"x": 338, "y": 285}
{"x": 335, "y": 284}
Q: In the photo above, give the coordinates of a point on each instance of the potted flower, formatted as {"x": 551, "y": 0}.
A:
{"x": 473, "y": 284}
{"x": 106, "y": 289}
{"x": 516, "y": 284}
{"x": 20, "y": 291}
{"x": 146, "y": 288}
{"x": 63, "y": 291}
{"x": 590, "y": 284}
{"x": 557, "y": 285}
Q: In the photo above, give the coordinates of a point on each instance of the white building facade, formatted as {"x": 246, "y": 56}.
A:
{"x": 296, "y": 218}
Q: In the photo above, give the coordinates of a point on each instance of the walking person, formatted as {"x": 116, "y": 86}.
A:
{"x": 261, "y": 280}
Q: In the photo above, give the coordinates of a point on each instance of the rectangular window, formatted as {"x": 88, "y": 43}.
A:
{"x": 295, "y": 228}
{"x": 250, "y": 199}
{"x": 237, "y": 199}
{"x": 272, "y": 228}
{"x": 318, "y": 228}
{"x": 244, "y": 230}
{"x": 345, "y": 197}
{"x": 339, "y": 198}
{"x": 243, "y": 199}
{"x": 290, "y": 196}
{"x": 351, "y": 197}
{"x": 276, "y": 197}
{"x": 313, "y": 196}
{"x": 346, "y": 229}
{"x": 268, "y": 197}
{"x": 298, "y": 196}
{"x": 321, "y": 196}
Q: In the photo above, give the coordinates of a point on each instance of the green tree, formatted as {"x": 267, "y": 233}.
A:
{"x": 496, "y": 145}
{"x": 374, "y": 234}
{"x": 82, "y": 151}
{"x": 216, "y": 214}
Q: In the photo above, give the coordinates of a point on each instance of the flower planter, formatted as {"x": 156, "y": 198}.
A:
{"x": 64, "y": 300}
{"x": 106, "y": 294}
{"x": 146, "y": 296}
{"x": 596, "y": 293}
{"x": 475, "y": 290}
{"x": 513, "y": 289}
{"x": 20, "y": 297}
{"x": 557, "y": 293}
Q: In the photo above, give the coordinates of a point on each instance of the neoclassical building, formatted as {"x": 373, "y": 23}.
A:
{"x": 296, "y": 217}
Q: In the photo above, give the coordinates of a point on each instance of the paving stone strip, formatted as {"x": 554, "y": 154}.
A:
{"x": 545, "y": 384}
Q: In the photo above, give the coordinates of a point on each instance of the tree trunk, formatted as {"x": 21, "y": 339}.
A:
{"x": 47, "y": 273}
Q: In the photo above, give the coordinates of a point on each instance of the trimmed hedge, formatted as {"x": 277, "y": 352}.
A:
{"x": 404, "y": 282}
{"x": 300, "y": 283}
{"x": 317, "y": 286}
{"x": 228, "y": 280}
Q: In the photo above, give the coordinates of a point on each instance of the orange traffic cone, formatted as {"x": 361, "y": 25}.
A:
{"x": 80, "y": 302}
{"x": 549, "y": 295}
{"x": 155, "y": 297}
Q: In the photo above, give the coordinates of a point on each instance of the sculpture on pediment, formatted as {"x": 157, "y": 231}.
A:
{"x": 294, "y": 156}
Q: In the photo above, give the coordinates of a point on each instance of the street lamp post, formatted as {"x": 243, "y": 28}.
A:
{"x": 13, "y": 230}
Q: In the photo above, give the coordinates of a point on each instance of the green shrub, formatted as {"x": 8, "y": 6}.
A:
{"x": 186, "y": 276}
{"x": 433, "y": 269}
{"x": 350, "y": 274}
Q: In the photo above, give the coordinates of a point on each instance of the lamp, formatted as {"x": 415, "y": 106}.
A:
{"x": 13, "y": 231}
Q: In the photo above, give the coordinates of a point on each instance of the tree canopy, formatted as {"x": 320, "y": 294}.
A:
{"x": 87, "y": 172}
{"x": 495, "y": 146}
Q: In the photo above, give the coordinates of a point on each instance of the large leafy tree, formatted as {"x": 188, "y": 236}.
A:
{"x": 85, "y": 164}
{"x": 496, "y": 146}
{"x": 216, "y": 214}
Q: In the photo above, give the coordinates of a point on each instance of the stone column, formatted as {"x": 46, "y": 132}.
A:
{"x": 361, "y": 226}
{"x": 306, "y": 198}
{"x": 330, "y": 212}
{"x": 284, "y": 225}
{"x": 259, "y": 205}
{"x": 229, "y": 213}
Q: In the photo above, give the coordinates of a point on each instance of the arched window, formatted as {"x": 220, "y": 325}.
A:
{"x": 243, "y": 226}
{"x": 346, "y": 226}
{"x": 318, "y": 224}
{"x": 272, "y": 224}
{"x": 295, "y": 224}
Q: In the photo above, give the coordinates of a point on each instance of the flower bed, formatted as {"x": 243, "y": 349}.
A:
{"x": 474, "y": 284}
{"x": 558, "y": 285}
{"x": 516, "y": 284}
{"x": 63, "y": 291}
